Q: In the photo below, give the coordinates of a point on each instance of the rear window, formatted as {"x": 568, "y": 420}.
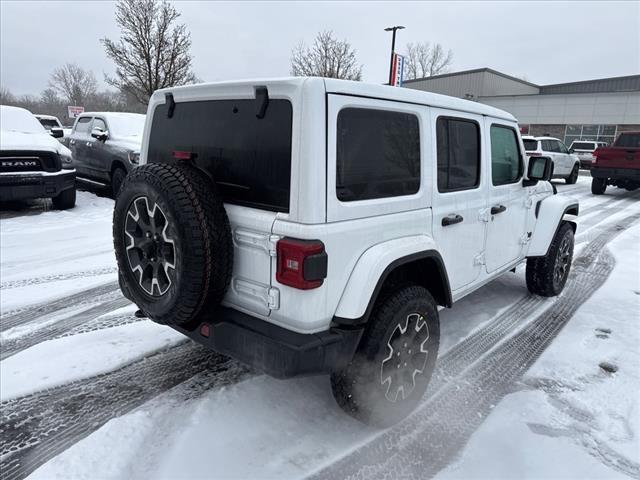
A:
{"x": 628, "y": 140}
{"x": 249, "y": 158}
{"x": 378, "y": 154}
{"x": 530, "y": 145}
{"x": 583, "y": 146}
{"x": 48, "y": 123}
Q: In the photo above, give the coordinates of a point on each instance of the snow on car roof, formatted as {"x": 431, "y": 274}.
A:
{"x": 45, "y": 117}
{"x": 16, "y": 119}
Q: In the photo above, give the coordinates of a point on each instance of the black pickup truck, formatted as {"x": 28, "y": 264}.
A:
{"x": 105, "y": 146}
{"x": 33, "y": 164}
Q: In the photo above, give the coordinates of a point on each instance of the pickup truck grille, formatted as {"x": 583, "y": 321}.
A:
{"x": 29, "y": 162}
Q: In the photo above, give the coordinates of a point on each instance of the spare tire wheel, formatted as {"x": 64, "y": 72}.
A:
{"x": 172, "y": 242}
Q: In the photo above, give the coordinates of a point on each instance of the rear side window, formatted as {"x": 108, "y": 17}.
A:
{"x": 458, "y": 143}
{"x": 82, "y": 125}
{"x": 506, "y": 163}
{"x": 530, "y": 145}
{"x": 378, "y": 154}
{"x": 249, "y": 158}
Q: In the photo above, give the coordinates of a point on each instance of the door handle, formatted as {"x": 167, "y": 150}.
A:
{"x": 89, "y": 144}
{"x": 451, "y": 220}
{"x": 497, "y": 209}
{"x": 72, "y": 142}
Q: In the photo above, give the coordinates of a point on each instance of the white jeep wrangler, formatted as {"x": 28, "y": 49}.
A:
{"x": 309, "y": 226}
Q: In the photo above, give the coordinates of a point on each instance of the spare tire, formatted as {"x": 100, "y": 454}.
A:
{"x": 172, "y": 242}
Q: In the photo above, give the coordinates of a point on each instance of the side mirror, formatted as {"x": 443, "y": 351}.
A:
{"x": 571, "y": 150}
{"x": 540, "y": 168}
{"x": 99, "y": 134}
{"x": 56, "y": 132}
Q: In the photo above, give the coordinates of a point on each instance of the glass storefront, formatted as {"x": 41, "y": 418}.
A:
{"x": 601, "y": 133}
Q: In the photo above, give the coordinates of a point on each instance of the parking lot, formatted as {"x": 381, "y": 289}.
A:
{"x": 91, "y": 391}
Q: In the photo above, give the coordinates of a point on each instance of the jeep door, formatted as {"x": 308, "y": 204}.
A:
{"x": 460, "y": 199}
{"x": 508, "y": 201}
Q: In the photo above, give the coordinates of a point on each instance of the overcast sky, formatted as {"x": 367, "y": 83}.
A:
{"x": 546, "y": 42}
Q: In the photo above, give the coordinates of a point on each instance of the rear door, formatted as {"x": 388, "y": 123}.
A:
{"x": 460, "y": 202}
{"x": 249, "y": 158}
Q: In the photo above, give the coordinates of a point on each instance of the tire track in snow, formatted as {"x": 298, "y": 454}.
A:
{"x": 12, "y": 346}
{"x": 25, "y": 315}
{"x": 432, "y": 437}
{"x": 40, "y": 426}
{"x": 56, "y": 278}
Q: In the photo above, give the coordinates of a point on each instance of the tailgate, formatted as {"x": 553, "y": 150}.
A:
{"x": 618, "y": 157}
{"x": 253, "y": 250}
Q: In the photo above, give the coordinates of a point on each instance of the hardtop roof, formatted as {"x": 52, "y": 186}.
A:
{"x": 362, "y": 89}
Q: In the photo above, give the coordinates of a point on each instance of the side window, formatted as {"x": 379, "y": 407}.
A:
{"x": 563, "y": 148}
{"x": 82, "y": 125}
{"x": 458, "y": 144}
{"x": 99, "y": 123}
{"x": 378, "y": 154}
{"x": 506, "y": 162}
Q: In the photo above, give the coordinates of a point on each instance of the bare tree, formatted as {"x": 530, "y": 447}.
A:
{"x": 327, "y": 57}
{"x": 425, "y": 60}
{"x": 74, "y": 83}
{"x": 152, "y": 52}
{"x": 6, "y": 97}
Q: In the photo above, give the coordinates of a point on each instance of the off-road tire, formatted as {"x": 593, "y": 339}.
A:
{"x": 542, "y": 274}
{"x": 65, "y": 199}
{"x": 573, "y": 178}
{"x": 202, "y": 246}
{"x": 117, "y": 178}
{"x": 598, "y": 185}
{"x": 359, "y": 389}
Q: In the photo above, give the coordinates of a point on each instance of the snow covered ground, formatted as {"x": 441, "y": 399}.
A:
{"x": 89, "y": 391}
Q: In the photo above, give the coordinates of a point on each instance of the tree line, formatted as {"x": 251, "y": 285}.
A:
{"x": 153, "y": 52}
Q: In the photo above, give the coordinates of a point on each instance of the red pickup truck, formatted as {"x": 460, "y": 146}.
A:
{"x": 617, "y": 165}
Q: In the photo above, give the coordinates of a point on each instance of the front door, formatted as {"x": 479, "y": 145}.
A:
{"x": 508, "y": 202}
{"x": 460, "y": 202}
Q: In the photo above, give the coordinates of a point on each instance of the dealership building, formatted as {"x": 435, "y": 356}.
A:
{"x": 586, "y": 110}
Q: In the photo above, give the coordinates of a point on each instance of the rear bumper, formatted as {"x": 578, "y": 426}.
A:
{"x": 632, "y": 174}
{"x": 274, "y": 350}
{"x": 26, "y": 185}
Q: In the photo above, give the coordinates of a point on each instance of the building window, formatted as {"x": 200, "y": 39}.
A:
{"x": 600, "y": 133}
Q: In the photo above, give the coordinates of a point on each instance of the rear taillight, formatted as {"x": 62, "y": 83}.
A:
{"x": 301, "y": 263}
{"x": 595, "y": 156}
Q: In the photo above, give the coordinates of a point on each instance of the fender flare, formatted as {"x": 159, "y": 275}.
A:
{"x": 373, "y": 268}
{"x": 550, "y": 213}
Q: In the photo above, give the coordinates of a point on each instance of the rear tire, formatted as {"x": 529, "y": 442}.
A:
{"x": 117, "y": 177}
{"x": 392, "y": 367}
{"x": 65, "y": 200}
{"x": 547, "y": 276}
{"x": 173, "y": 242}
{"x": 598, "y": 186}
{"x": 573, "y": 178}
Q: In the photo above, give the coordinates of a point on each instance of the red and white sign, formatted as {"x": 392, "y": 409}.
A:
{"x": 397, "y": 70}
{"x": 74, "y": 111}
